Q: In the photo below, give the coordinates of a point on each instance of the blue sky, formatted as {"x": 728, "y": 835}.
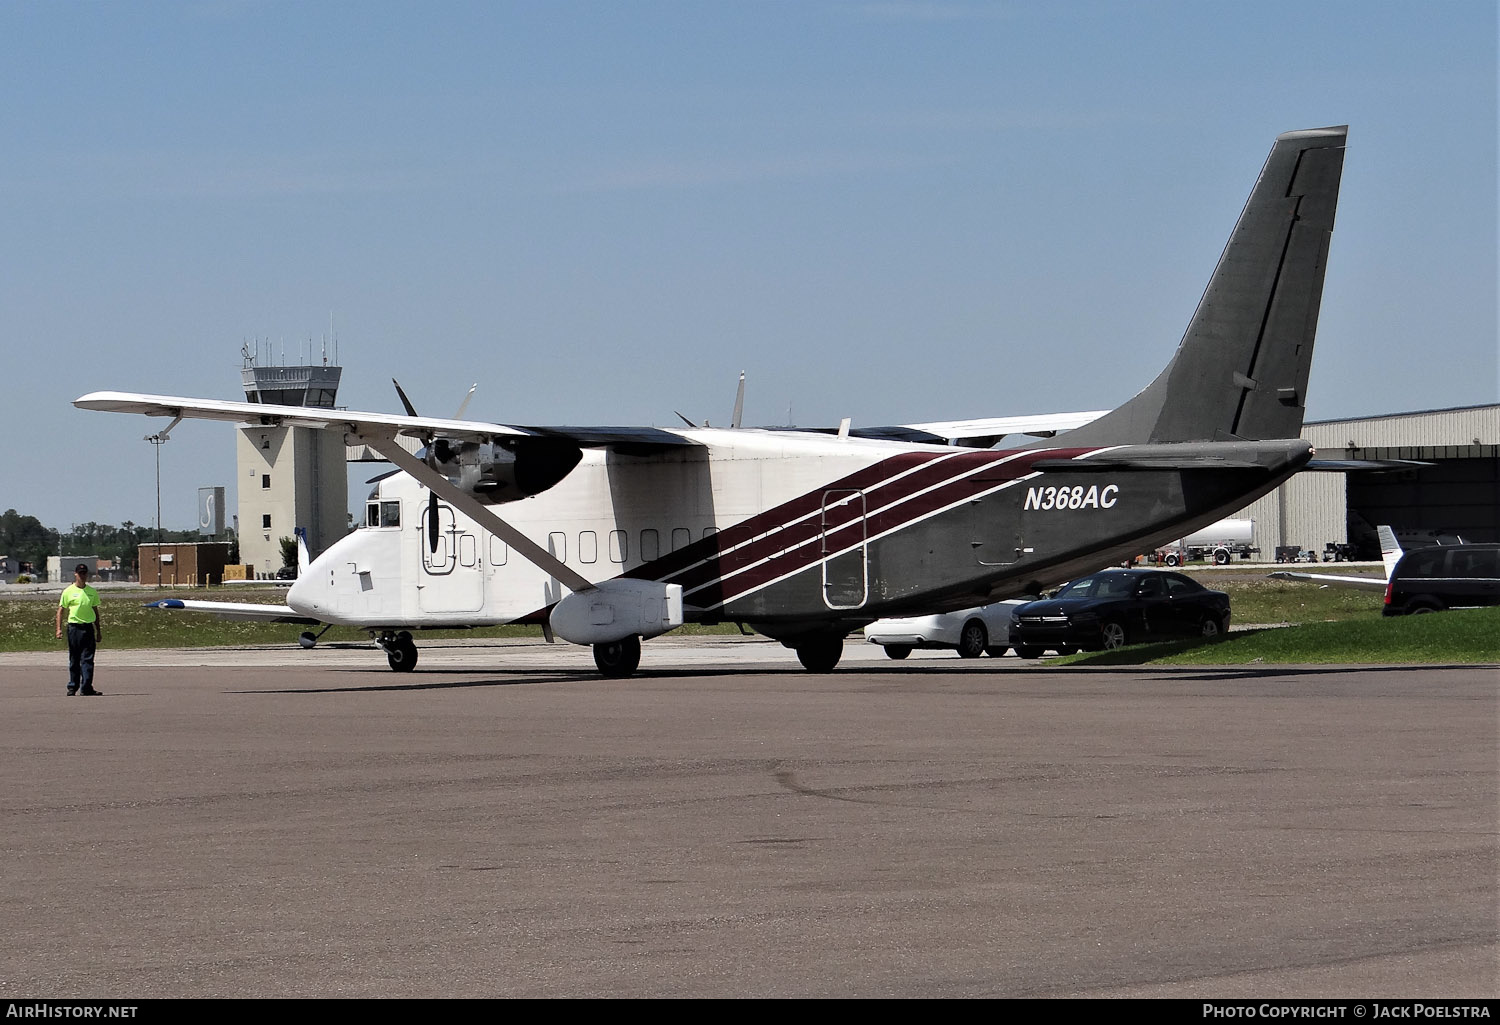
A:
{"x": 603, "y": 211}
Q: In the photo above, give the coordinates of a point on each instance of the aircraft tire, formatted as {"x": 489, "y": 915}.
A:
{"x": 402, "y": 654}
{"x": 618, "y": 659}
{"x": 820, "y": 655}
{"x": 973, "y": 639}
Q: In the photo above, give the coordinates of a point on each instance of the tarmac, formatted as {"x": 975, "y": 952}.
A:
{"x": 274, "y": 822}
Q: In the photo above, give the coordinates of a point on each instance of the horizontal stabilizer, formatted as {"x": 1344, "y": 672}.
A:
{"x": 1363, "y": 465}
{"x": 1240, "y": 455}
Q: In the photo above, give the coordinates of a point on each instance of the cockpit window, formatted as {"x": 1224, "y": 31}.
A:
{"x": 390, "y": 514}
{"x": 372, "y": 515}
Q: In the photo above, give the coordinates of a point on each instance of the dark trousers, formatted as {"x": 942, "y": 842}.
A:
{"x": 81, "y": 644}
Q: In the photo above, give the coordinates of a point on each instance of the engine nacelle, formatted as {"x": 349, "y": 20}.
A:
{"x": 618, "y": 609}
{"x": 496, "y": 472}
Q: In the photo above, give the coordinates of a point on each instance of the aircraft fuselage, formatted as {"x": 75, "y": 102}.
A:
{"x": 790, "y": 533}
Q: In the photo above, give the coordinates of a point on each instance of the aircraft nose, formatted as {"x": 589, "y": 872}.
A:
{"x": 300, "y": 595}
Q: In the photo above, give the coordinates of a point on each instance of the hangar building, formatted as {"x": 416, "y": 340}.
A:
{"x": 1459, "y": 494}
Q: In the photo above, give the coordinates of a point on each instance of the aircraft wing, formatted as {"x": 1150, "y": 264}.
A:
{"x": 1371, "y": 583}
{"x": 986, "y": 431}
{"x": 970, "y": 433}
{"x": 252, "y": 414}
{"x": 235, "y": 610}
{"x": 1390, "y": 554}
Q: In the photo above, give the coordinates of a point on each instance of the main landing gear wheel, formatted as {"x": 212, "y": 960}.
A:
{"x": 973, "y": 639}
{"x": 821, "y": 655}
{"x": 618, "y": 659}
{"x": 401, "y": 652}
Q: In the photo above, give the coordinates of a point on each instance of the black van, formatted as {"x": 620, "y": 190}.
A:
{"x": 1445, "y": 577}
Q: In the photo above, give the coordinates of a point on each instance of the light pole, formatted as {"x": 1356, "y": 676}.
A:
{"x": 157, "y": 441}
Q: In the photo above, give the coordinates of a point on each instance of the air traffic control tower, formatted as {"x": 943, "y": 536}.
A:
{"x": 289, "y": 477}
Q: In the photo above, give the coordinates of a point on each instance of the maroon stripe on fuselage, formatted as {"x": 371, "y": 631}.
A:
{"x": 682, "y": 566}
{"x": 701, "y": 565}
{"x": 854, "y": 530}
{"x": 831, "y": 519}
{"x": 802, "y": 520}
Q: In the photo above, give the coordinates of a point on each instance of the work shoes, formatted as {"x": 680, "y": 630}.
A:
{"x": 90, "y": 692}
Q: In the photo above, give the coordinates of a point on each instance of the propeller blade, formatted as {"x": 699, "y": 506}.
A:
{"x": 685, "y": 419}
{"x": 410, "y": 409}
{"x": 465, "y": 403}
{"x": 739, "y": 403}
{"x": 432, "y": 521}
{"x": 382, "y": 476}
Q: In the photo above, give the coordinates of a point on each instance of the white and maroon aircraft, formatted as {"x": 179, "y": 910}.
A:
{"x": 610, "y": 535}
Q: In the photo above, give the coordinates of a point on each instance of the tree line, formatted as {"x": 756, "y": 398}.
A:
{"x": 26, "y": 539}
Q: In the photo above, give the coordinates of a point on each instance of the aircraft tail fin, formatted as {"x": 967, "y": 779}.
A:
{"x": 1240, "y": 371}
{"x": 1390, "y": 549}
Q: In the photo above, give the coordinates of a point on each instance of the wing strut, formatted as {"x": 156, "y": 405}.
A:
{"x": 477, "y": 511}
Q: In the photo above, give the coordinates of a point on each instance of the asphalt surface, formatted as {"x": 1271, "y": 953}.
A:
{"x": 502, "y": 822}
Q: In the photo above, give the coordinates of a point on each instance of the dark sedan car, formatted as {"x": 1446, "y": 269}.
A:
{"x": 1119, "y": 607}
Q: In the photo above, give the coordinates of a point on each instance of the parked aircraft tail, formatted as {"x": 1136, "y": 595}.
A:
{"x": 1390, "y": 549}
{"x": 303, "y": 558}
{"x": 1241, "y": 369}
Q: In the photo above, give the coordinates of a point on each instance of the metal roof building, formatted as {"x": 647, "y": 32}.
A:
{"x": 1458, "y": 494}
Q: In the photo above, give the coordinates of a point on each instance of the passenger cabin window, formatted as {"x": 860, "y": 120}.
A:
{"x": 390, "y": 514}
{"x": 557, "y": 545}
{"x": 619, "y": 547}
{"x": 650, "y": 545}
{"x": 681, "y": 538}
{"x": 499, "y": 551}
{"x": 588, "y": 547}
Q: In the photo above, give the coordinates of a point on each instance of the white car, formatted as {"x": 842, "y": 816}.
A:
{"x": 971, "y": 632}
